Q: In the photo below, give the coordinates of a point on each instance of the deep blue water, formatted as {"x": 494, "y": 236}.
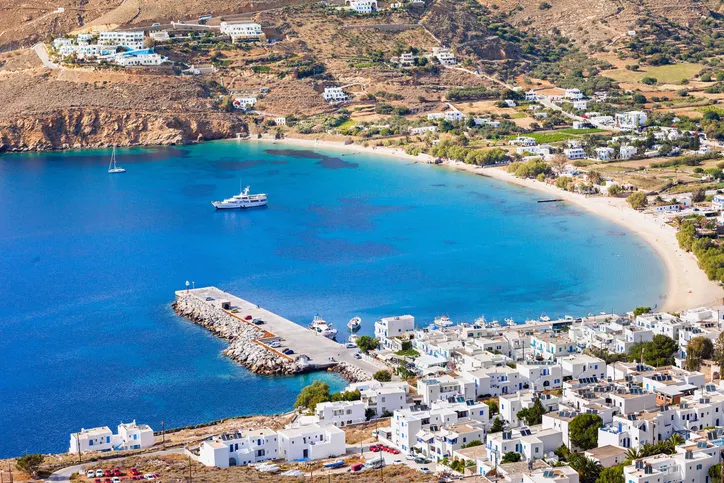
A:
{"x": 89, "y": 262}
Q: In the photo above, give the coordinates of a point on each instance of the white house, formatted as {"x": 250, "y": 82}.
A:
{"x": 574, "y": 153}
{"x": 341, "y": 413}
{"x": 581, "y": 105}
{"x": 531, "y": 95}
{"x": 528, "y": 444}
{"x": 523, "y": 141}
{"x": 130, "y": 39}
{"x": 444, "y": 388}
{"x": 573, "y": 94}
{"x": 450, "y": 116}
{"x": 483, "y": 121}
{"x": 139, "y": 58}
{"x": 422, "y": 130}
{"x": 334, "y": 94}
{"x": 280, "y": 121}
{"x": 444, "y": 56}
{"x": 511, "y": 404}
{"x": 382, "y": 397}
{"x": 605, "y": 154}
{"x": 160, "y": 36}
{"x": 717, "y": 202}
{"x": 242, "y": 30}
{"x": 246, "y": 102}
{"x": 627, "y": 151}
{"x": 389, "y": 327}
{"x": 362, "y": 6}
{"x": 239, "y": 448}
{"x": 578, "y": 366}
{"x": 631, "y": 120}
{"x": 311, "y": 442}
{"x": 130, "y": 436}
{"x": 690, "y": 463}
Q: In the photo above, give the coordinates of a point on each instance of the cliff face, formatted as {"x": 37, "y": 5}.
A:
{"x": 86, "y": 128}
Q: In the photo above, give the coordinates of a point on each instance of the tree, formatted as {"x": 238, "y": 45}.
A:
{"x": 367, "y": 343}
{"x": 382, "y": 376}
{"x": 649, "y": 81}
{"x": 313, "y": 394}
{"x": 659, "y": 352}
{"x": 637, "y": 200}
{"x": 698, "y": 348}
{"x": 510, "y": 457}
{"x": 612, "y": 474}
{"x": 588, "y": 470}
{"x": 641, "y": 310}
{"x": 30, "y": 463}
{"x": 697, "y": 196}
{"x": 639, "y": 99}
{"x": 719, "y": 350}
{"x": 715, "y": 473}
{"x": 497, "y": 426}
{"x": 614, "y": 190}
{"x": 534, "y": 414}
{"x": 584, "y": 430}
{"x": 492, "y": 406}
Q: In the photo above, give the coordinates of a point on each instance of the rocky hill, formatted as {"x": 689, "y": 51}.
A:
{"x": 592, "y": 21}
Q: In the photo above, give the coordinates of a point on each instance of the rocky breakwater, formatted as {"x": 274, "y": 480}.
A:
{"x": 351, "y": 373}
{"x": 244, "y": 347}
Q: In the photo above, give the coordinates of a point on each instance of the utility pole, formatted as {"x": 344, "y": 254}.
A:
{"x": 10, "y": 470}
{"x": 190, "y": 475}
{"x": 163, "y": 434}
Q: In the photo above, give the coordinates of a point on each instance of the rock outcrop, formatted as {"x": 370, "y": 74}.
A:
{"x": 350, "y": 372}
{"x": 88, "y": 128}
{"x": 243, "y": 338}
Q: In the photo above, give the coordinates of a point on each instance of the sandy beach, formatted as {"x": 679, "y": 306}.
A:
{"x": 688, "y": 286}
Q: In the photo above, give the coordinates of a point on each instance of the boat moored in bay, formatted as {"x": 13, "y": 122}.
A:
{"x": 242, "y": 200}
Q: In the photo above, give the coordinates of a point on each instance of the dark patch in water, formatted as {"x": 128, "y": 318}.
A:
{"x": 449, "y": 242}
{"x": 335, "y": 250}
{"x": 198, "y": 190}
{"x": 616, "y": 233}
{"x": 35, "y": 260}
{"x": 355, "y": 216}
{"x": 438, "y": 185}
{"x": 328, "y": 162}
{"x": 237, "y": 165}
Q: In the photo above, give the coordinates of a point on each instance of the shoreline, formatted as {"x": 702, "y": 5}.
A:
{"x": 687, "y": 286}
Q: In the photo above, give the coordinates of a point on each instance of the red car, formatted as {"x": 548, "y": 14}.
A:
{"x": 394, "y": 451}
{"x": 98, "y": 480}
{"x": 248, "y": 317}
{"x": 117, "y": 472}
{"x": 357, "y": 467}
{"x": 134, "y": 471}
{"x": 108, "y": 473}
{"x": 375, "y": 448}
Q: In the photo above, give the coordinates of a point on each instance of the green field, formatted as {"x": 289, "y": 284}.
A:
{"x": 665, "y": 74}
{"x": 581, "y": 131}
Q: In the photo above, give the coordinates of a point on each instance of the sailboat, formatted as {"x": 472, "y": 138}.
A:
{"x": 112, "y": 168}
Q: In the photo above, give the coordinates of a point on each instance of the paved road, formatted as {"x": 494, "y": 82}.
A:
{"x": 43, "y": 55}
{"x": 64, "y": 474}
{"x": 550, "y": 105}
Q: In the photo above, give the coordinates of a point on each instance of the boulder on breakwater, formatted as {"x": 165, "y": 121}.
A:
{"x": 244, "y": 347}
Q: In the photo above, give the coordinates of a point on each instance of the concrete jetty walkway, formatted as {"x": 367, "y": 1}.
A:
{"x": 290, "y": 335}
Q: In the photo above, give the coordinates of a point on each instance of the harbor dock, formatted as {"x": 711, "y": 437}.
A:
{"x": 231, "y": 318}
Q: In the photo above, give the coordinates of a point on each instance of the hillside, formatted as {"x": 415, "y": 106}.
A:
{"x": 599, "y": 21}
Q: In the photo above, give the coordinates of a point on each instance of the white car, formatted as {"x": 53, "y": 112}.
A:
{"x": 99, "y": 473}
{"x": 410, "y": 457}
{"x": 149, "y": 476}
{"x": 91, "y": 474}
{"x": 116, "y": 480}
{"x": 425, "y": 470}
{"x": 350, "y": 345}
{"x": 274, "y": 344}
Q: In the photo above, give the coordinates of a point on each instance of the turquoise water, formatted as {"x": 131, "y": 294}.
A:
{"x": 89, "y": 262}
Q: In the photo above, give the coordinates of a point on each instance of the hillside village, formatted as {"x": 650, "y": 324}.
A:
{"x": 597, "y": 398}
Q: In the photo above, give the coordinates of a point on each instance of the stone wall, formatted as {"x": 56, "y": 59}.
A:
{"x": 243, "y": 346}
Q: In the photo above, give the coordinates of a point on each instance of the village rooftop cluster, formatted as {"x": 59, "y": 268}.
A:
{"x": 544, "y": 376}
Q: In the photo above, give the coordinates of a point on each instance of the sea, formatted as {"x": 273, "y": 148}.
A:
{"x": 89, "y": 262}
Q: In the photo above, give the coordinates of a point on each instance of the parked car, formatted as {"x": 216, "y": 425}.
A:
{"x": 234, "y": 311}
{"x": 350, "y": 345}
{"x": 257, "y": 322}
{"x": 274, "y": 344}
{"x": 411, "y": 457}
{"x": 91, "y": 474}
{"x": 99, "y": 473}
{"x": 117, "y": 472}
{"x": 357, "y": 356}
{"x": 394, "y": 451}
{"x": 375, "y": 448}
{"x": 156, "y": 24}
{"x": 248, "y": 317}
{"x": 209, "y": 299}
{"x": 357, "y": 467}
{"x": 98, "y": 480}
{"x": 116, "y": 479}
{"x": 149, "y": 476}
{"x": 425, "y": 470}
{"x": 288, "y": 352}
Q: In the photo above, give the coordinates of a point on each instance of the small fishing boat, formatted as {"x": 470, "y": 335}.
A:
{"x": 112, "y": 168}
{"x": 545, "y": 318}
{"x": 354, "y": 324}
{"x": 509, "y": 321}
{"x": 334, "y": 464}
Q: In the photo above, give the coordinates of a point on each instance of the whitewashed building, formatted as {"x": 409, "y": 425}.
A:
{"x": 444, "y": 56}
{"x": 311, "y": 442}
{"x": 690, "y": 463}
{"x": 605, "y": 154}
{"x": 239, "y": 448}
{"x": 631, "y": 120}
{"x": 574, "y": 153}
{"x": 389, "y": 327}
{"x": 362, "y": 6}
{"x": 242, "y": 30}
{"x": 422, "y": 130}
{"x": 130, "y": 39}
{"x": 341, "y": 413}
{"x": 130, "y": 436}
{"x": 511, "y": 404}
{"x": 334, "y": 94}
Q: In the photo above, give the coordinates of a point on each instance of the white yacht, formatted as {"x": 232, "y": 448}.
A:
{"x": 112, "y": 168}
{"x": 443, "y": 321}
{"x": 321, "y": 327}
{"x": 242, "y": 200}
{"x": 354, "y": 324}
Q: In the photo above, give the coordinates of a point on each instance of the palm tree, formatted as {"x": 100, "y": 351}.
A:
{"x": 676, "y": 439}
{"x": 633, "y": 454}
